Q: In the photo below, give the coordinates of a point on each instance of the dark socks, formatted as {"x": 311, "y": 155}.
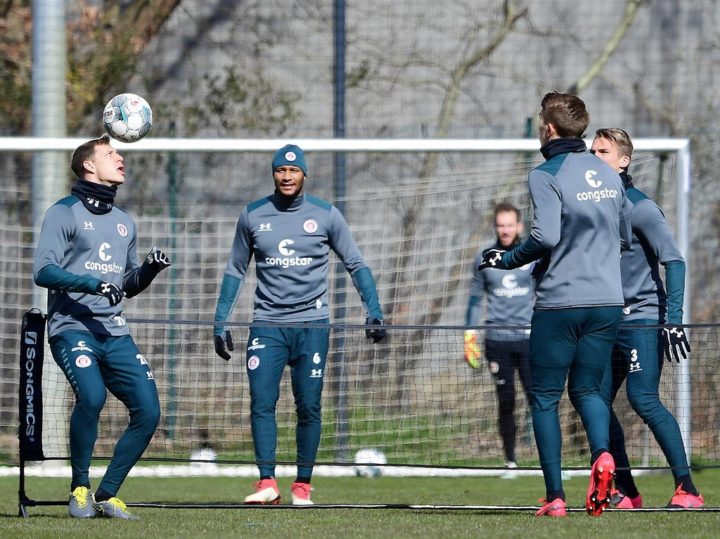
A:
{"x": 625, "y": 483}
{"x": 687, "y": 484}
{"x": 302, "y": 480}
{"x": 551, "y": 495}
{"x": 102, "y": 495}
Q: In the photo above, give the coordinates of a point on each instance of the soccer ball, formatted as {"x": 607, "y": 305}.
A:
{"x": 203, "y": 460}
{"x": 127, "y": 117}
{"x": 368, "y": 462}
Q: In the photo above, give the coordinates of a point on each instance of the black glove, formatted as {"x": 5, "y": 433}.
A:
{"x": 111, "y": 291}
{"x": 376, "y": 334}
{"x": 491, "y": 258}
{"x": 223, "y": 343}
{"x": 676, "y": 343}
{"x": 157, "y": 260}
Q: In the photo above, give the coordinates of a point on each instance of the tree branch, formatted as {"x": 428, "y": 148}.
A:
{"x": 611, "y": 46}
{"x": 511, "y": 15}
{"x": 112, "y": 58}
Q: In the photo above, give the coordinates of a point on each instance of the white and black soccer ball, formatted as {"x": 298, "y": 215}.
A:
{"x": 368, "y": 462}
{"x": 127, "y": 117}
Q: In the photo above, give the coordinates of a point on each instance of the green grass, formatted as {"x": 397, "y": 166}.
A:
{"x": 53, "y": 522}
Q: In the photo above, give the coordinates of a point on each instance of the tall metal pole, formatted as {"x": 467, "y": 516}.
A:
{"x": 340, "y": 310}
{"x": 684, "y": 402}
{"x": 48, "y": 176}
{"x": 48, "y": 103}
{"x": 171, "y": 409}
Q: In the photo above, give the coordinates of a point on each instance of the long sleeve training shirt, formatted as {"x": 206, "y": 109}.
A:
{"x": 291, "y": 244}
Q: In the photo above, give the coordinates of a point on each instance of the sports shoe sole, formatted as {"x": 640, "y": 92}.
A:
{"x": 262, "y": 498}
{"x": 599, "y": 498}
{"x": 276, "y": 501}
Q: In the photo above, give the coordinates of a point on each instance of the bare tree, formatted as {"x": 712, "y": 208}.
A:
{"x": 102, "y": 43}
{"x": 475, "y": 55}
{"x": 594, "y": 69}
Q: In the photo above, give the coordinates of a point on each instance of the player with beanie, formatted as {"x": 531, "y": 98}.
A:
{"x": 290, "y": 234}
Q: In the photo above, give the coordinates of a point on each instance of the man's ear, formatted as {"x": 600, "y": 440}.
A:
{"x": 551, "y": 131}
{"x": 89, "y": 166}
{"x": 624, "y": 162}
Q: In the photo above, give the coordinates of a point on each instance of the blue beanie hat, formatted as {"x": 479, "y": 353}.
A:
{"x": 289, "y": 155}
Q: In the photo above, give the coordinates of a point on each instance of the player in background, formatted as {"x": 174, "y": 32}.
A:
{"x": 638, "y": 352}
{"x": 290, "y": 234}
{"x": 581, "y": 220}
{"x": 510, "y": 297}
{"x": 86, "y": 257}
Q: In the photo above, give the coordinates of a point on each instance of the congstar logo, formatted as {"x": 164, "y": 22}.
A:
{"x": 510, "y": 288}
{"x": 283, "y": 247}
{"x": 590, "y": 178}
{"x": 104, "y": 256}
{"x": 598, "y": 194}
{"x": 104, "y": 267}
{"x": 287, "y": 260}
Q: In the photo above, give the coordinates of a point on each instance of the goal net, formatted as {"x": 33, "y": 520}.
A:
{"x": 419, "y": 211}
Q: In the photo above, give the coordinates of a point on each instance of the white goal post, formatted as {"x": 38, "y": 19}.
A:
{"x": 678, "y": 148}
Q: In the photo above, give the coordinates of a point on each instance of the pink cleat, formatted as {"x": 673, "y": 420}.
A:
{"x": 599, "y": 490}
{"x": 685, "y": 500}
{"x": 266, "y": 493}
{"x": 618, "y": 500}
{"x": 555, "y": 508}
{"x": 301, "y": 494}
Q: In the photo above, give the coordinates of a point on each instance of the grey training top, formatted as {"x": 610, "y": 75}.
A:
{"x": 291, "y": 246}
{"x": 581, "y": 216}
{"x": 79, "y": 250}
{"x": 510, "y": 295}
{"x": 652, "y": 244}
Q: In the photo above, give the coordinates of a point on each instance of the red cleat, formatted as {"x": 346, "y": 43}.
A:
{"x": 618, "y": 500}
{"x": 301, "y": 494}
{"x": 684, "y": 500}
{"x": 555, "y": 508}
{"x": 599, "y": 490}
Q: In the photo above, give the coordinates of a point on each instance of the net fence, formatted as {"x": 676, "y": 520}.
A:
{"x": 419, "y": 234}
{"x": 412, "y": 397}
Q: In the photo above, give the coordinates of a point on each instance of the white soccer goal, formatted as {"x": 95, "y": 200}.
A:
{"x": 419, "y": 209}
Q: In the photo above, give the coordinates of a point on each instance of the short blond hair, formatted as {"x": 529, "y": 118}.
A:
{"x": 619, "y": 137}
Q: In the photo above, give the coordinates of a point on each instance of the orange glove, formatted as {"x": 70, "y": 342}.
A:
{"x": 472, "y": 348}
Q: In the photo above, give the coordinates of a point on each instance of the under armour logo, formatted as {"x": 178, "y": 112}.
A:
{"x": 495, "y": 259}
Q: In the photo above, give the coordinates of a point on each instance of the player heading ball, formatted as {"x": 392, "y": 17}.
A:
{"x": 87, "y": 259}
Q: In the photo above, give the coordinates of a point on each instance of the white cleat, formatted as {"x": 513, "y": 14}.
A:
{"x": 266, "y": 493}
{"x": 301, "y": 494}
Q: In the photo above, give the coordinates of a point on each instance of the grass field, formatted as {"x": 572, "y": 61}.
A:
{"x": 264, "y": 523}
